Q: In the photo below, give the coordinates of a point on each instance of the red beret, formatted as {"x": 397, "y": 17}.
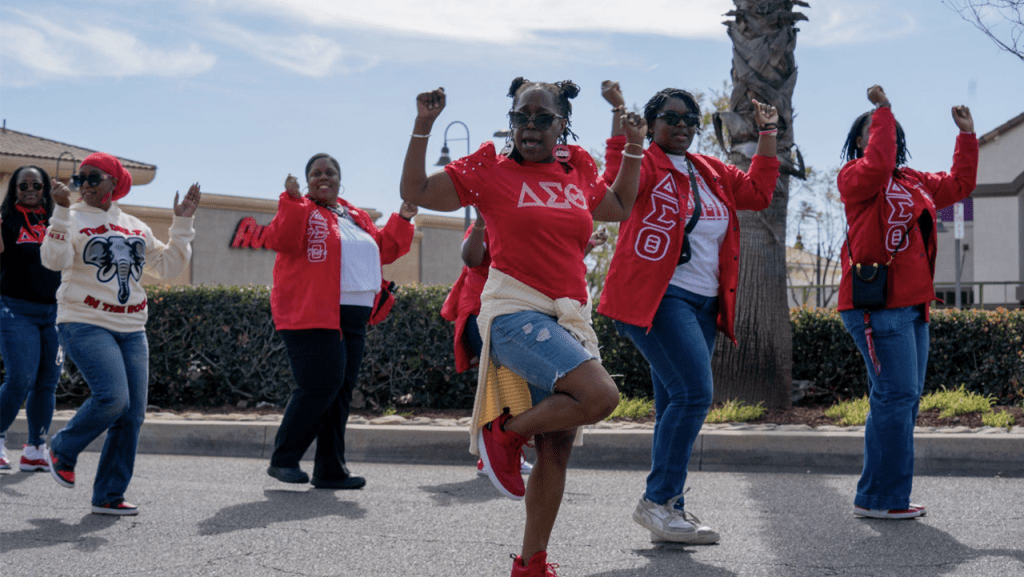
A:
{"x": 112, "y": 166}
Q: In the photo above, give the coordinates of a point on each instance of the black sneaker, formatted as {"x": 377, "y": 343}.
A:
{"x": 63, "y": 474}
{"x": 350, "y": 482}
{"x": 288, "y": 474}
{"x": 118, "y": 507}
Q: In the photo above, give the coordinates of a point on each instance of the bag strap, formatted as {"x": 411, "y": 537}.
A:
{"x": 695, "y": 191}
{"x": 891, "y": 256}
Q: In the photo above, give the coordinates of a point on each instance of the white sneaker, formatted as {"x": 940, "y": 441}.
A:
{"x": 4, "y": 463}
{"x": 33, "y": 458}
{"x": 666, "y": 523}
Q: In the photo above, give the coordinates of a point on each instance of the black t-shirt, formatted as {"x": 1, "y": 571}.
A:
{"x": 22, "y": 275}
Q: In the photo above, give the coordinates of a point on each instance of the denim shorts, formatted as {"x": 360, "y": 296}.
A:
{"x": 534, "y": 346}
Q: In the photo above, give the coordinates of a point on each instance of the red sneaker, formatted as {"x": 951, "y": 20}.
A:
{"x": 538, "y": 567}
{"x": 501, "y": 452}
{"x": 63, "y": 474}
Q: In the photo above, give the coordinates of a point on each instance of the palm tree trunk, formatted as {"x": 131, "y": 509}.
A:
{"x": 763, "y": 68}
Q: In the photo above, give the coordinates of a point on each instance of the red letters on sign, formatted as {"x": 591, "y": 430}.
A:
{"x": 249, "y": 234}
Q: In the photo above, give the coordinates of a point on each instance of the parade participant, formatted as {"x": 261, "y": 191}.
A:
{"x": 539, "y": 201}
{"x": 889, "y": 255}
{"x": 462, "y": 305}
{"x": 101, "y": 253}
{"x": 327, "y": 287}
{"x": 28, "y": 313}
{"x": 683, "y": 240}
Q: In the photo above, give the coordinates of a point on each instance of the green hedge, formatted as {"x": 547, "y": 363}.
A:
{"x": 216, "y": 346}
{"x": 982, "y": 350}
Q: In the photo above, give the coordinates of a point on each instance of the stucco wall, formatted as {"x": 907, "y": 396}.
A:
{"x": 997, "y": 240}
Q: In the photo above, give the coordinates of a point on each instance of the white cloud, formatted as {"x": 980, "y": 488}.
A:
{"x": 43, "y": 49}
{"x": 495, "y": 22}
{"x": 843, "y": 22}
{"x": 306, "y": 54}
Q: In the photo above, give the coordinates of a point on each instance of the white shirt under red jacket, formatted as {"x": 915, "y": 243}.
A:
{"x": 101, "y": 256}
{"x": 647, "y": 252}
{"x": 884, "y": 211}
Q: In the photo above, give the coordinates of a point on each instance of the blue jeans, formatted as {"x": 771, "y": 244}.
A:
{"x": 901, "y": 345}
{"x": 28, "y": 345}
{"x": 534, "y": 346}
{"x": 679, "y": 348}
{"x": 116, "y": 368}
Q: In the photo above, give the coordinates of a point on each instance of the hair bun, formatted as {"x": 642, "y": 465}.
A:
{"x": 568, "y": 88}
{"x": 516, "y": 85}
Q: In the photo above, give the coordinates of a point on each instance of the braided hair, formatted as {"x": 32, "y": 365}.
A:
{"x": 851, "y": 152}
{"x": 7, "y": 208}
{"x": 655, "y": 104}
{"x": 563, "y": 91}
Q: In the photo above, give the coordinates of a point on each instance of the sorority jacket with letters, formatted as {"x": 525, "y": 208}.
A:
{"x": 307, "y": 272}
{"x": 101, "y": 255}
{"x": 647, "y": 252}
{"x": 888, "y": 213}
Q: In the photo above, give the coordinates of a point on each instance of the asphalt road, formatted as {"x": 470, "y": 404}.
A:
{"x": 222, "y": 516}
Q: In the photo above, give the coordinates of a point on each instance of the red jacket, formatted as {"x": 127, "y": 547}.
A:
{"x": 307, "y": 272}
{"x": 636, "y": 283}
{"x": 463, "y": 301}
{"x": 881, "y": 210}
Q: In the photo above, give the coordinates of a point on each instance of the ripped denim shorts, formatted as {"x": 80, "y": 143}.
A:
{"x": 534, "y": 346}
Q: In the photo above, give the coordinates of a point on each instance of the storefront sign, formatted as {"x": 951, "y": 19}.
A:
{"x": 249, "y": 234}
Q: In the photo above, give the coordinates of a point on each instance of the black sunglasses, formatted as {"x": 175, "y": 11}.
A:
{"x": 23, "y": 186}
{"x": 673, "y": 118}
{"x": 92, "y": 179}
{"x": 540, "y": 121}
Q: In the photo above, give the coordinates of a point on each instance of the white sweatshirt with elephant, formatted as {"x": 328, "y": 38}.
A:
{"x": 101, "y": 255}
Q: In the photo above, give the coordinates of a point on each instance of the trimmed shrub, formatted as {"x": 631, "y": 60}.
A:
{"x": 216, "y": 346}
{"x": 980, "y": 350}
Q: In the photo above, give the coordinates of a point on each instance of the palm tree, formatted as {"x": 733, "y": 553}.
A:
{"x": 763, "y": 34}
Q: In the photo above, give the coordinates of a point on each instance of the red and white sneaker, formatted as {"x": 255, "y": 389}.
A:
{"x": 525, "y": 467}
{"x": 910, "y": 512}
{"x": 118, "y": 507}
{"x": 538, "y": 567}
{"x": 4, "y": 463}
{"x": 501, "y": 454}
{"x": 33, "y": 458}
{"x": 63, "y": 474}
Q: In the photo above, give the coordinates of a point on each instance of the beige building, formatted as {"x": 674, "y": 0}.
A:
{"x": 992, "y": 248}
{"x": 227, "y": 249}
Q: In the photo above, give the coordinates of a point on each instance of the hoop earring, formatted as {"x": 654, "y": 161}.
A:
{"x": 341, "y": 189}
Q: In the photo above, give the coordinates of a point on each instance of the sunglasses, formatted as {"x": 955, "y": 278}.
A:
{"x": 92, "y": 179}
{"x": 540, "y": 121}
{"x": 23, "y": 186}
{"x": 673, "y": 118}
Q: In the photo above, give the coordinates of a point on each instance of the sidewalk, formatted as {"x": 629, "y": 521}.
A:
{"x": 735, "y": 447}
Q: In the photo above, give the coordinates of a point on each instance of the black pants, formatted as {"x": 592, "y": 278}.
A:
{"x": 326, "y": 368}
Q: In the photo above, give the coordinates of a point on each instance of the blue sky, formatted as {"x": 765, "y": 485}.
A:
{"x": 236, "y": 94}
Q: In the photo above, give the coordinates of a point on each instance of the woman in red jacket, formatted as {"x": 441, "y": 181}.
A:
{"x": 327, "y": 281}
{"x": 673, "y": 279}
{"x": 890, "y": 210}
{"x": 540, "y": 201}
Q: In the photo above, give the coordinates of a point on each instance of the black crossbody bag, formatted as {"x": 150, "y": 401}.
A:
{"x": 868, "y": 281}
{"x": 685, "y": 254}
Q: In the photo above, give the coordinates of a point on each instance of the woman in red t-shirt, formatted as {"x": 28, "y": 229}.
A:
{"x": 539, "y": 202}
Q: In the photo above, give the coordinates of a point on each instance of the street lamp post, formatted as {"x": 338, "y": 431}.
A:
{"x": 445, "y": 159}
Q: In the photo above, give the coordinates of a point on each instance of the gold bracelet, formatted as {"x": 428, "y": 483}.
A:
{"x": 640, "y": 146}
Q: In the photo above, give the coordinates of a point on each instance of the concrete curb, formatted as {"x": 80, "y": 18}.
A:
{"x": 715, "y": 450}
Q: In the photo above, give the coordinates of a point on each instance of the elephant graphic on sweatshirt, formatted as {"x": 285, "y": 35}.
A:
{"x": 117, "y": 256}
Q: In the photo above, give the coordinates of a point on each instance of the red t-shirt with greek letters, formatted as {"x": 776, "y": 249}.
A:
{"x": 538, "y": 215}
